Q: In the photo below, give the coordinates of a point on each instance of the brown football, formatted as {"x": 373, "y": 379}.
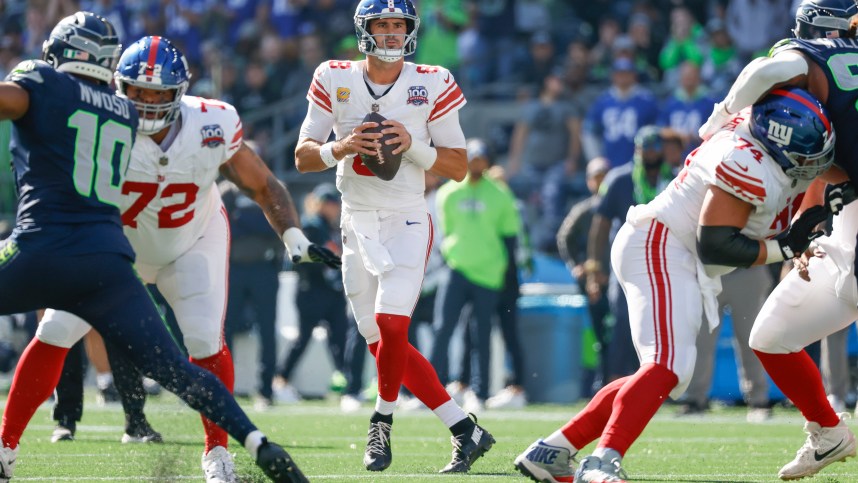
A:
{"x": 384, "y": 164}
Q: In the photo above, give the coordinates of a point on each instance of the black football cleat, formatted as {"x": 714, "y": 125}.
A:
{"x": 467, "y": 448}
{"x": 278, "y": 465}
{"x": 141, "y": 432}
{"x": 378, "y": 455}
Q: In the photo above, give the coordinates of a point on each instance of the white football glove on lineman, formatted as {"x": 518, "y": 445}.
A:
{"x": 303, "y": 250}
{"x": 716, "y": 121}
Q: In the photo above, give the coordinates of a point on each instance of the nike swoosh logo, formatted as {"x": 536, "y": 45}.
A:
{"x": 820, "y": 456}
{"x": 743, "y": 168}
{"x": 447, "y": 80}
{"x": 409, "y": 223}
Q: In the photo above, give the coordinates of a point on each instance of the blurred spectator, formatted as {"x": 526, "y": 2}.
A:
{"x": 255, "y": 260}
{"x": 440, "y": 23}
{"x": 320, "y": 295}
{"x": 646, "y": 48}
{"x": 617, "y": 114}
{"x": 181, "y": 21}
{"x": 572, "y": 240}
{"x": 637, "y": 182}
{"x": 602, "y": 52}
{"x": 759, "y": 24}
{"x": 284, "y": 16}
{"x": 721, "y": 62}
{"x": 8, "y": 193}
{"x": 547, "y": 135}
{"x": 745, "y": 291}
{"x": 494, "y": 47}
{"x": 684, "y": 45}
{"x": 674, "y": 150}
{"x": 480, "y": 224}
{"x": 535, "y": 67}
{"x": 688, "y": 106}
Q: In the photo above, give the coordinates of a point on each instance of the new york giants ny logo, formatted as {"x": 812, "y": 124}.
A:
{"x": 779, "y": 133}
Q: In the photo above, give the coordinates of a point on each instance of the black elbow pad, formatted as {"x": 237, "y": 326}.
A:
{"x": 726, "y": 245}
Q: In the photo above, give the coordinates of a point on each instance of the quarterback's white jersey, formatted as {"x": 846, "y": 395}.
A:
{"x": 734, "y": 161}
{"x": 421, "y": 96}
{"x": 169, "y": 196}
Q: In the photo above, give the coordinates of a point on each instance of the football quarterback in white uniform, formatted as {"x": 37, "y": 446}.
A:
{"x": 734, "y": 194}
{"x": 174, "y": 217}
{"x": 387, "y": 231}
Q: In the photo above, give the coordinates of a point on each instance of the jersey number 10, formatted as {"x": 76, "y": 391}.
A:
{"x": 101, "y": 156}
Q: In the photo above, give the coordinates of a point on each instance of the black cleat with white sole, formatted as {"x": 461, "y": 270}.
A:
{"x": 278, "y": 465}
{"x": 378, "y": 454}
{"x": 467, "y": 448}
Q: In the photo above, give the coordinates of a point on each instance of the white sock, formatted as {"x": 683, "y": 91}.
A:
{"x": 606, "y": 454}
{"x": 449, "y": 413}
{"x": 252, "y": 443}
{"x": 104, "y": 379}
{"x": 557, "y": 438}
{"x": 384, "y": 407}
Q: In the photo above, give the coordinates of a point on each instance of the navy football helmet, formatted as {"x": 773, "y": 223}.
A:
{"x": 85, "y": 44}
{"x": 816, "y": 19}
{"x": 796, "y": 130}
{"x": 154, "y": 63}
{"x": 372, "y": 9}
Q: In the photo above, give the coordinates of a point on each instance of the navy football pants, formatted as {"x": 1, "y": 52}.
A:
{"x": 104, "y": 290}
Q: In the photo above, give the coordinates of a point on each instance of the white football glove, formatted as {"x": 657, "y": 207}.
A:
{"x": 716, "y": 121}
{"x": 303, "y": 250}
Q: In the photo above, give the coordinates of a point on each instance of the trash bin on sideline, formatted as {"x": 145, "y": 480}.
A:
{"x": 551, "y": 328}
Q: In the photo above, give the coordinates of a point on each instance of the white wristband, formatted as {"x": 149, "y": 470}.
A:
{"x": 422, "y": 154}
{"x": 773, "y": 252}
{"x": 296, "y": 243}
{"x": 326, "y": 152}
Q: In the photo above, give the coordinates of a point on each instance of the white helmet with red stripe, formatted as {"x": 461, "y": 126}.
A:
{"x": 154, "y": 63}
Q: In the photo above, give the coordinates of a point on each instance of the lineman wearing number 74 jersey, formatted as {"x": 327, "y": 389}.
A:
{"x": 735, "y": 193}
{"x": 174, "y": 217}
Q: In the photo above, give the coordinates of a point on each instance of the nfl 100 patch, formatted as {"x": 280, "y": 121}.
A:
{"x": 418, "y": 95}
{"x": 212, "y": 136}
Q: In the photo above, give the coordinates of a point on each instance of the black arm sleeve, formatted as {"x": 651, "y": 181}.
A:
{"x": 726, "y": 245}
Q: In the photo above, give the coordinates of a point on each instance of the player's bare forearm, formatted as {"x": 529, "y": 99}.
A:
{"x": 14, "y": 101}
{"x": 307, "y": 158}
{"x": 451, "y": 163}
{"x": 253, "y": 178}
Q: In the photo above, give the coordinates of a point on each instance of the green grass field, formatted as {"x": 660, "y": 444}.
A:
{"x": 328, "y": 445}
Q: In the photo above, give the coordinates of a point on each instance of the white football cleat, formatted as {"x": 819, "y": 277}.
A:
{"x": 472, "y": 403}
{"x": 218, "y": 466}
{"x": 350, "y": 404}
{"x": 510, "y": 397}
{"x": 546, "y": 463}
{"x": 8, "y": 458}
{"x": 822, "y": 447}
{"x": 597, "y": 470}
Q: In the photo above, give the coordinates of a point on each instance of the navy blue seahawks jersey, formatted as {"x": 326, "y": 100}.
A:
{"x": 70, "y": 152}
{"x": 838, "y": 58}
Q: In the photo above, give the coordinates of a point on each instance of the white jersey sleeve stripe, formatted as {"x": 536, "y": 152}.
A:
{"x": 318, "y": 95}
{"x": 446, "y": 104}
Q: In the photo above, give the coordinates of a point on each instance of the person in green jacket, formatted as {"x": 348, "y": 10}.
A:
{"x": 480, "y": 223}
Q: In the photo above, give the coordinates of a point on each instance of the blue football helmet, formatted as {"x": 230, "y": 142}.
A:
{"x": 372, "y": 9}
{"x": 154, "y": 63}
{"x": 816, "y": 19}
{"x": 84, "y": 44}
{"x": 796, "y": 130}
